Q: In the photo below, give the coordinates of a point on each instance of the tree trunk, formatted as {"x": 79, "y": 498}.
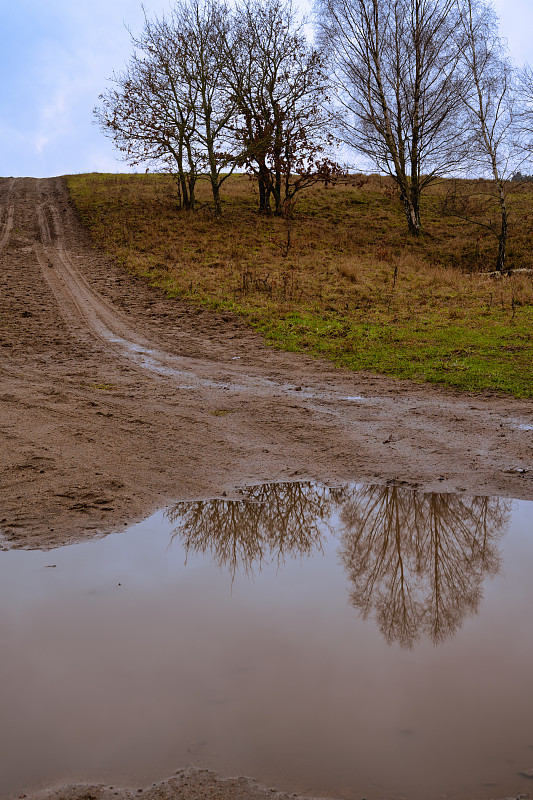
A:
{"x": 184, "y": 192}
{"x": 192, "y": 197}
{"x": 411, "y": 204}
{"x": 189, "y": 196}
{"x": 214, "y": 177}
{"x": 277, "y": 194}
{"x": 264, "y": 190}
{"x": 215, "y": 185}
{"x": 264, "y": 197}
{"x": 502, "y": 239}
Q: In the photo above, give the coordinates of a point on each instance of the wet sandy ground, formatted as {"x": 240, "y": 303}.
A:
{"x": 115, "y": 401}
{"x": 185, "y": 785}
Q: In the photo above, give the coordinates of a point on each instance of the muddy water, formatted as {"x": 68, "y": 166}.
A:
{"x": 354, "y": 642}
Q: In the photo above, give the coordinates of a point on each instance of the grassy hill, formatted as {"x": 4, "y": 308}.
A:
{"x": 353, "y": 286}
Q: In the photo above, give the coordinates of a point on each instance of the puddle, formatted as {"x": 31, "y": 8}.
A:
{"x": 353, "y": 642}
{"x": 520, "y": 426}
{"x": 153, "y": 361}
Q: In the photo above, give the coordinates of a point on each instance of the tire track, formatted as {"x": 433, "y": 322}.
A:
{"x": 7, "y": 214}
{"x": 7, "y": 226}
{"x": 89, "y": 314}
{"x": 84, "y": 309}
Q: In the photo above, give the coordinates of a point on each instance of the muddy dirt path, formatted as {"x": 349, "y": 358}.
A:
{"x": 115, "y": 400}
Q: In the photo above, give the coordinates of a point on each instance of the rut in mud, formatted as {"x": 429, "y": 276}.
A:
{"x": 116, "y": 400}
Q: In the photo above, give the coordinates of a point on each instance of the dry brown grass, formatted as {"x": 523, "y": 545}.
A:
{"x": 352, "y": 266}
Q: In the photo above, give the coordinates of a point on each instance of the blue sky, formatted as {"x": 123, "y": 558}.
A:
{"x": 55, "y": 59}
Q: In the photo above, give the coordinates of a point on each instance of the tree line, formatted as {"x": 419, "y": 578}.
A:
{"x": 422, "y": 89}
{"x": 211, "y": 89}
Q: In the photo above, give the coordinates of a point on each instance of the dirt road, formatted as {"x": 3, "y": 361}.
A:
{"x": 115, "y": 400}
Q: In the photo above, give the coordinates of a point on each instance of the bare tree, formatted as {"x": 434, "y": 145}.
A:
{"x": 208, "y": 90}
{"x": 394, "y": 64}
{"x": 279, "y": 83}
{"x": 149, "y": 111}
{"x": 418, "y": 561}
{"x": 525, "y": 93}
{"x": 171, "y": 105}
{"x": 203, "y": 26}
{"x": 489, "y": 101}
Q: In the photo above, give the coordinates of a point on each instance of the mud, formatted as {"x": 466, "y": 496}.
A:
{"x": 115, "y": 400}
{"x": 186, "y": 785}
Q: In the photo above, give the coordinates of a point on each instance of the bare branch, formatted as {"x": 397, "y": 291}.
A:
{"x": 395, "y": 69}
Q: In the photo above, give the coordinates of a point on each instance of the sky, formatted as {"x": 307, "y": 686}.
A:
{"x": 56, "y": 58}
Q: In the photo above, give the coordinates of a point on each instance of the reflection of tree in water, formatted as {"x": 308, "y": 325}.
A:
{"x": 417, "y": 560}
{"x": 272, "y": 522}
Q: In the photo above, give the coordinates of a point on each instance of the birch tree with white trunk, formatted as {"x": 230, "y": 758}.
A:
{"x": 395, "y": 67}
{"x": 491, "y": 108}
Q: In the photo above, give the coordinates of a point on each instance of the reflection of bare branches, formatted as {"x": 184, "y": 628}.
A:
{"x": 417, "y": 560}
{"x": 276, "y": 520}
